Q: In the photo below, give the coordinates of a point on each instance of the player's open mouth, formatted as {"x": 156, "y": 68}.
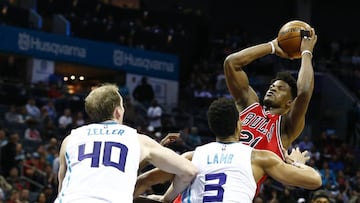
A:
{"x": 269, "y": 94}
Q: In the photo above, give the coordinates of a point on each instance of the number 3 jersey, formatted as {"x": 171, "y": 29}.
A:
{"x": 102, "y": 163}
{"x": 225, "y": 174}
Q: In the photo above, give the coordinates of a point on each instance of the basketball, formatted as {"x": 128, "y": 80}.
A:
{"x": 290, "y": 36}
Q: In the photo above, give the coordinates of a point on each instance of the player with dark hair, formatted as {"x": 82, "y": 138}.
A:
{"x": 229, "y": 170}
{"x": 277, "y": 122}
{"x": 280, "y": 120}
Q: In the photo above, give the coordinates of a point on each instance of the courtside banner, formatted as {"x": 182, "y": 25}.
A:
{"x": 106, "y": 55}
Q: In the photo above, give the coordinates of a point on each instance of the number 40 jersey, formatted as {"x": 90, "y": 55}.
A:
{"x": 225, "y": 174}
{"x": 102, "y": 163}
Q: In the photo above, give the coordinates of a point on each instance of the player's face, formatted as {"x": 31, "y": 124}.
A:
{"x": 278, "y": 94}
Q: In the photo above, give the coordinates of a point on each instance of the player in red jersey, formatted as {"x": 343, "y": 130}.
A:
{"x": 276, "y": 123}
{"x": 280, "y": 120}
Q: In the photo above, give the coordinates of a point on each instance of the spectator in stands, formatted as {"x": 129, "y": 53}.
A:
{"x": 258, "y": 199}
{"x": 336, "y": 164}
{"x": 286, "y": 196}
{"x": 12, "y": 116}
{"x": 135, "y": 115}
{"x": 9, "y": 152}
{"x": 48, "y": 130}
{"x": 50, "y": 193}
{"x": 154, "y": 115}
{"x": 51, "y": 110}
{"x": 144, "y": 93}
{"x": 78, "y": 119}
{"x": 25, "y": 195}
{"x": 15, "y": 180}
{"x": 327, "y": 175}
{"x": 65, "y": 120}
{"x": 192, "y": 139}
{"x": 51, "y": 154}
{"x": 14, "y": 196}
{"x": 44, "y": 118}
{"x": 220, "y": 84}
{"x": 54, "y": 92}
{"x": 320, "y": 196}
{"x": 41, "y": 198}
{"x": 306, "y": 144}
{"x": 34, "y": 170}
{"x": 32, "y": 136}
{"x": 32, "y": 110}
{"x": 56, "y": 164}
{"x": 3, "y": 138}
{"x": 5, "y": 188}
{"x": 51, "y": 177}
{"x": 24, "y": 114}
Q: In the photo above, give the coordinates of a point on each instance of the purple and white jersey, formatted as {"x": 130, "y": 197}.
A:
{"x": 102, "y": 164}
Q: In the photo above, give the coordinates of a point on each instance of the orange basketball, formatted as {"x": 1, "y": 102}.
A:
{"x": 290, "y": 36}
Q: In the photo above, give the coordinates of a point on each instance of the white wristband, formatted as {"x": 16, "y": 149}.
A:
{"x": 306, "y": 51}
{"x": 272, "y": 47}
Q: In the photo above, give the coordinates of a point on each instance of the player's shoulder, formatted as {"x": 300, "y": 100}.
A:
{"x": 251, "y": 107}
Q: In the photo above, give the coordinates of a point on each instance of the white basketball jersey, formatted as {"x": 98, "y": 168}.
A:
{"x": 225, "y": 174}
{"x": 102, "y": 161}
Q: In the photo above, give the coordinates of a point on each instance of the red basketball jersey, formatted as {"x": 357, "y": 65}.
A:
{"x": 261, "y": 130}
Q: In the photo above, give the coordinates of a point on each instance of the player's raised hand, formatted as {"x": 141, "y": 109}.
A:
{"x": 170, "y": 138}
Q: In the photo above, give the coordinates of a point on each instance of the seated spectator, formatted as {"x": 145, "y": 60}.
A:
{"x": 65, "y": 120}
{"x": 31, "y": 133}
{"x": 14, "y": 196}
{"x": 32, "y": 110}
{"x": 191, "y": 137}
{"x": 48, "y": 130}
{"x": 51, "y": 110}
{"x": 41, "y": 198}
{"x": 15, "y": 180}
{"x": 327, "y": 175}
{"x": 24, "y": 114}
{"x": 336, "y": 164}
{"x": 306, "y": 144}
{"x": 54, "y": 92}
{"x": 25, "y": 195}
{"x": 10, "y": 150}
{"x": 34, "y": 169}
{"x": 12, "y": 116}
{"x": 32, "y": 137}
{"x": 5, "y": 188}
{"x": 79, "y": 119}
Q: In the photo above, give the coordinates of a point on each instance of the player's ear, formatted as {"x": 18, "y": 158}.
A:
{"x": 289, "y": 102}
{"x": 118, "y": 112}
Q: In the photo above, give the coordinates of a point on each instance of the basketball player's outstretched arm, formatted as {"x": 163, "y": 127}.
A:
{"x": 295, "y": 119}
{"x": 155, "y": 176}
{"x": 237, "y": 80}
{"x": 297, "y": 174}
{"x": 170, "y": 162}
